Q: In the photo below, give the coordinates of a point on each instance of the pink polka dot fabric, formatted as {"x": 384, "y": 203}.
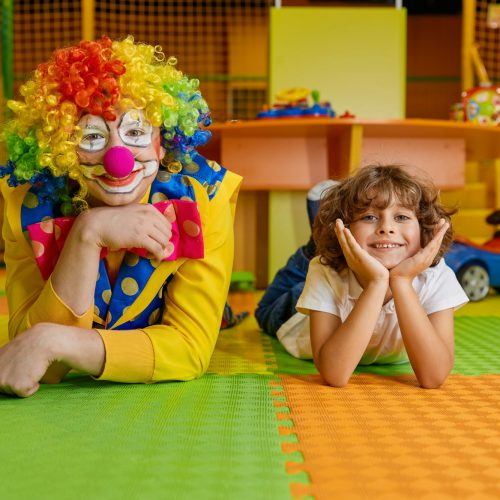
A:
{"x": 48, "y": 237}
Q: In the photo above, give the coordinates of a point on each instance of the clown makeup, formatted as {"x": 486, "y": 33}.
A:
{"x": 135, "y": 130}
{"x": 130, "y": 130}
{"x": 141, "y": 170}
{"x": 95, "y": 133}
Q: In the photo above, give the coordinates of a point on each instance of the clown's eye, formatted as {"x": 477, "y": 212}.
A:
{"x": 92, "y": 137}
{"x": 136, "y": 132}
{"x": 136, "y": 136}
{"x": 93, "y": 141}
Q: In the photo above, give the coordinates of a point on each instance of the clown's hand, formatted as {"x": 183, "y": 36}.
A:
{"x": 23, "y": 363}
{"x": 44, "y": 353}
{"x": 129, "y": 226}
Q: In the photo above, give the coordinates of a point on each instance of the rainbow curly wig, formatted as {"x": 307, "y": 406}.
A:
{"x": 97, "y": 77}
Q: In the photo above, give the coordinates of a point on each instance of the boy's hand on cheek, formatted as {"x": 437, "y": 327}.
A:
{"x": 411, "y": 267}
{"x": 366, "y": 268}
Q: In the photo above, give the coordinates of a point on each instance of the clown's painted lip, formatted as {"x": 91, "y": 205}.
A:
{"x": 120, "y": 186}
{"x": 115, "y": 181}
{"x": 124, "y": 185}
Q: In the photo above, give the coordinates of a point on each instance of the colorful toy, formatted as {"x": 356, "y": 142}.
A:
{"x": 347, "y": 115}
{"x": 482, "y": 104}
{"x": 457, "y": 112}
{"x": 294, "y": 103}
{"x": 477, "y": 266}
{"x": 242, "y": 281}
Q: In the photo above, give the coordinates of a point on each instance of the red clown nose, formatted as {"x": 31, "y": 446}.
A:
{"x": 118, "y": 161}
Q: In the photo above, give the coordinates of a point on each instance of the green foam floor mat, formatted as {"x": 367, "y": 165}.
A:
{"x": 216, "y": 437}
{"x": 477, "y": 352}
{"x": 477, "y": 345}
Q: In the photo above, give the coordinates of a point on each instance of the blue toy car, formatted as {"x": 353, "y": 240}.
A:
{"x": 477, "y": 266}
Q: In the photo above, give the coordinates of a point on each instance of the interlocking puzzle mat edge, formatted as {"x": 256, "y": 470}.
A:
{"x": 383, "y": 437}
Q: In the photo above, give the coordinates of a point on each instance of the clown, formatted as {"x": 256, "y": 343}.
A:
{"x": 118, "y": 234}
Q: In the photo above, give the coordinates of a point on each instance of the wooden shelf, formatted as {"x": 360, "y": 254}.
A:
{"x": 289, "y": 154}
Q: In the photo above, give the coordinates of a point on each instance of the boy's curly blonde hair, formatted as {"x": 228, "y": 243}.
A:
{"x": 377, "y": 185}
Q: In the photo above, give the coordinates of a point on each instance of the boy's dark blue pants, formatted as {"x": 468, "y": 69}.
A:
{"x": 278, "y": 302}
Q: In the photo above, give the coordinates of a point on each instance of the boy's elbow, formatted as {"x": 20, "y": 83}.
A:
{"x": 431, "y": 385}
{"x": 432, "y": 382}
{"x": 333, "y": 376}
{"x": 336, "y": 379}
{"x": 339, "y": 384}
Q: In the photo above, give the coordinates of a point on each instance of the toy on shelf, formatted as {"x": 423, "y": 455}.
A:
{"x": 477, "y": 266}
{"x": 347, "y": 115}
{"x": 295, "y": 103}
{"x": 457, "y": 112}
{"x": 482, "y": 104}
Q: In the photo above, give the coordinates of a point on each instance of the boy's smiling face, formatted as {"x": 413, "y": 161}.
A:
{"x": 390, "y": 234}
{"x": 131, "y": 130}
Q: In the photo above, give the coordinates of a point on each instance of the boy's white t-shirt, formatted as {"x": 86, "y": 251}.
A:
{"x": 336, "y": 293}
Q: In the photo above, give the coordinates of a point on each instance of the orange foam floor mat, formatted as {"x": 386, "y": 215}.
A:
{"x": 384, "y": 438}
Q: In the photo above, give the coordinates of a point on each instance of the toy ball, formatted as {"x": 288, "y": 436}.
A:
{"x": 118, "y": 162}
{"x": 482, "y": 105}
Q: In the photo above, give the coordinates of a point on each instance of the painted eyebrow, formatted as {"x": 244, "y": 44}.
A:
{"x": 95, "y": 123}
{"x": 141, "y": 120}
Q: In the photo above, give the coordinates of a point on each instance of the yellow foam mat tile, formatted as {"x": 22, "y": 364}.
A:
{"x": 243, "y": 349}
{"x": 490, "y": 306}
{"x": 386, "y": 438}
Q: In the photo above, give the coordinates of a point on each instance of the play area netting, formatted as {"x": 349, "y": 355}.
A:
{"x": 198, "y": 34}
{"x": 262, "y": 425}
